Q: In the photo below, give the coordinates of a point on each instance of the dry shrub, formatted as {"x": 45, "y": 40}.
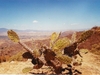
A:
{"x": 96, "y": 49}
{"x": 17, "y": 57}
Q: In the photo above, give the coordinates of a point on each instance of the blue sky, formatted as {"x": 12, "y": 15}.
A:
{"x": 49, "y": 14}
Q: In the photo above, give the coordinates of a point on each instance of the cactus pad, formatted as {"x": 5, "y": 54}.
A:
{"x": 64, "y": 59}
{"x": 13, "y": 36}
{"x": 61, "y": 44}
{"x": 53, "y": 38}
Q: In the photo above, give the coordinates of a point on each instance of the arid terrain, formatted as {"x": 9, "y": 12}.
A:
{"x": 90, "y": 66}
{"x": 10, "y": 64}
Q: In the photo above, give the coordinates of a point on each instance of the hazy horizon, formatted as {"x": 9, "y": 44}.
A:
{"x": 44, "y": 30}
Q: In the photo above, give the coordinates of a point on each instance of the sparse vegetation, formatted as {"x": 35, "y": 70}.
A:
{"x": 52, "y": 49}
{"x": 27, "y": 69}
{"x": 53, "y": 56}
{"x": 17, "y": 57}
{"x": 4, "y": 58}
{"x": 96, "y": 49}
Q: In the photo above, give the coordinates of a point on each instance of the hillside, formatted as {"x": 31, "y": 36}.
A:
{"x": 8, "y": 49}
{"x": 94, "y": 39}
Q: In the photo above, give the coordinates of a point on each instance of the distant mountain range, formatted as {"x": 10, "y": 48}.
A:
{"x": 28, "y": 30}
{"x": 3, "y": 31}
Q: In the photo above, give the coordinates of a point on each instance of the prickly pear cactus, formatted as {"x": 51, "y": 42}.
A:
{"x": 13, "y": 36}
{"x": 61, "y": 44}
{"x": 58, "y": 45}
{"x": 73, "y": 38}
{"x": 36, "y": 53}
{"x": 52, "y": 56}
{"x": 64, "y": 59}
{"x": 53, "y": 38}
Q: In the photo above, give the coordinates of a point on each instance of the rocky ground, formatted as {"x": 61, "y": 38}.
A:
{"x": 90, "y": 66}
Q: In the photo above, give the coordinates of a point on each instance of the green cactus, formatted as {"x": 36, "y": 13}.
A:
{"x": 36, "y": 53}
{"x": 64, "y": 59}
{"x": 60, "y": 44}
{"x": 54, "y": 37}
{"x": 54, "y": 54}
{"x": 13, "y": 36}
{"x": 73, "y": 38}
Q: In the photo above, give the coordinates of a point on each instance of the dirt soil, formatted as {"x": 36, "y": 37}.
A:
{"x": 90, "y": 66}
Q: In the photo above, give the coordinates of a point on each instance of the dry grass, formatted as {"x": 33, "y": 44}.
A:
{"x": 14, "y": 67}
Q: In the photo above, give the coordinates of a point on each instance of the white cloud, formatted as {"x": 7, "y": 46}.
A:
{"x": 35, "y": 21}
